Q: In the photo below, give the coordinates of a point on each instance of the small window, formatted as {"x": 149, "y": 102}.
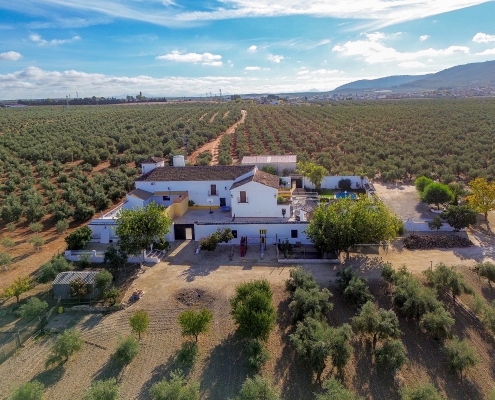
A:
{"x": 234, "y": 233}
{"x": 293, "y": 233}
{"x": 166, "y": 198}
{"x": 152, "y": 183}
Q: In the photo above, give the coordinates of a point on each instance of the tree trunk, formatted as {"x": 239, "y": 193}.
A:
{"x": 17, "y": 297}
{"x": 486, "y": 215}
{"x": 374, "y": 341}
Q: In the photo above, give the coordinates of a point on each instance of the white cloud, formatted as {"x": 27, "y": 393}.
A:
{"x": 34, "y": 37}
{"x": 10, "y": 56}
{"x": 304, "y": 71}
{"x": 424, "y": 37}
{"x": 483, "y": 38}
{"x": 275, "y": 58}
{"x": 373, "y": 51}
{"x": 325, "y": 71}
{"x": 168, "y": 13}
{"x": 195, "y": 58}
{"x": 252, "y": 49}
{"x": 253, "y": 68}
{"x": 412, "y": 64}
{"x": 488, "y": 52}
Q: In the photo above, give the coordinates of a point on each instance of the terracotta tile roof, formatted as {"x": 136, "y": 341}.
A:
{"x": 152, "y": 160}
{"x": 141, "y": 194}
{"x": 196, "y": 173}
{"x": 260, "y": 177}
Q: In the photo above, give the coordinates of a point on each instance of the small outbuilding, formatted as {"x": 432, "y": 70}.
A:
{"x": 61, "y": 284}
{"x": 280, "y": 163}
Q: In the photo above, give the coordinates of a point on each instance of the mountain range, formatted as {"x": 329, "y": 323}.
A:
{"x": 467, "y": 75}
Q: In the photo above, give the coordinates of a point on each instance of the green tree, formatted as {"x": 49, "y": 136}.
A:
{"x": 103, "y": 390}
{"x": 315, "y": 173}
{"x": 270, "y": 169}
{"x": 21, "y": 285}
{"x": 377, "y": 324}
{"x": 115, "y": 258}
{"x": 11, "y": 228}
{"x": 32, "y": 308}
{"x": 448, "y": 279}
{"x": 459, "y": 217}
{"x": 436, "y": 193}
{"x": 421, "y": 183}
{"x": 252, "y": 309}
{"x": 391, "y": 354}
{"x": 8, "y": 242}
{"x": 423, "y": 391}
{"x": 335, "y": 390}
{"x": 340, "y": 349}
{"x": 103, "y": 279}
{"x": 258, "y": 354}
{"x": 111, "y": 295}
{"x": 67, "y": 343}
{"x": 310, "y": 303}
{"x": 138, "y": 228}
{"x": 357, "y": 291}
{"x": 78, "y": 239}
{"x": 62, "y": 225}
{"x": 175, "y": 388}
{"x": 28, "y": 391}
{"x": 79, "y": 289}
{"x": 347, "y": 222}
{"x": 257, "y": 388}
{"x": 437, "y": 323}
{"x": 37, "y": 241}
{"x": 5, "y": 260}
{"x": 36, "y": 227}
{"x": 461, "y": 356}
{"x": 194, "y": 323}
{"x": 127, "y": 349}
{"x": 139, "y": 322}
{"x": 436, "y": 223}
{"x": 486, "y": 270}
{"x": 300, "y": 279}
{"x": 482, "y": 197}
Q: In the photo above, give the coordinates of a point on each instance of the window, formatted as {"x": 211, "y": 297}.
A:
{"x": 293, "y": 233}
{"x": 234, "y": 233}
{"x": 166, "y": 198}
{"x": 213, "y": 190}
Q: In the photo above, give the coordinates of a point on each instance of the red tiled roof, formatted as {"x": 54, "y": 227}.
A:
{"x": 196, "y": 173}
{"x": 260, "y": 177}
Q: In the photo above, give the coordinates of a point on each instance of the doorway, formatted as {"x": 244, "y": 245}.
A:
{"x": 184, "y": 231}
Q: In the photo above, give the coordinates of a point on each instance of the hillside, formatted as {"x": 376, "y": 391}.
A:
{"x": 474, "y": 74}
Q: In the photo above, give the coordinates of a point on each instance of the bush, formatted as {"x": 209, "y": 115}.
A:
{"x": 84, "y": 261}
{"x": 345, "y": 184}
{"x": 175, "y": 388}
{"x": 461, "y": 356}
{"x": 194, "y": 323}
{"x": 78, "y": 239}
{"x": 357, "y": 292}
{"x": 111, "y": 295}
{"x": 103, "y": 279}
{"x": 424, "y": 391}
{"x": 62, "y": 225}
{"x": 391, "y": 354}
{"x": 335, "y": 390}
{"x": 139, "y": 322}
{"x": 103, "y": 390}
{"x": 66, "y": 344}
{"x": 252, "y": 309}
{"x": 188, "y": 354}
{"x": 421, "y": 183}
{"x": 300, "y": 279}
{"x": 257, "y": 388}
{"x": 33, "y": 308}
{"x": 127, "y": 349}
{"x": 28, "y": 391}
{"x": 258, "y": 354}
{"x": 312, "y": 303}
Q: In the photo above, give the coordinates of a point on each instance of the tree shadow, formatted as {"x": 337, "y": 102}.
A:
{"x": 50, "y": 376}
{"x": 111, "y": 369}
{"x": 182, "y": 359}
{"x": 195, "y": 271}
{"x": 225, "y": 369}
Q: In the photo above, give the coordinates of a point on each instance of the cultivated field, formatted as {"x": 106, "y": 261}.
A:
{"x": 189, "y": 280}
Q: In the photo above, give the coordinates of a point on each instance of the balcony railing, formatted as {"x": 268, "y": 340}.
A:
{"x": 210, "y": 193}
{"x": 246, "y": 200}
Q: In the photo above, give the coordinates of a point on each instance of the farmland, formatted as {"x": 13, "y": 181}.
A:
{"x": 390, "y": 140}
{"x": 180, "y": 284}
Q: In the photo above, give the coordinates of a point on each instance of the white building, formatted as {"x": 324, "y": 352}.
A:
{"x": 281, "y": 163}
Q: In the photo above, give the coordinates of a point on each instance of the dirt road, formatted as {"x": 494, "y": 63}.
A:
{"x": 213, "y": 145}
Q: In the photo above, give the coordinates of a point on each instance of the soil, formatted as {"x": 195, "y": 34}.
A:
{"x": 212, "y": 146}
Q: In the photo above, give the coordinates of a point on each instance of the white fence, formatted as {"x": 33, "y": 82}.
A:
{"x": 98, "y": 257}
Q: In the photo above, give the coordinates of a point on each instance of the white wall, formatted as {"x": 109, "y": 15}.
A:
{"x": 134, "y": 202}
{"x": 145, "y": 168}
{"x": 281, "y": 231}
{"x": 198, "y": 190}
{"x": 262, "y": 201}
{"x": 332, "y": 182}
{"x": 103, "y": 230}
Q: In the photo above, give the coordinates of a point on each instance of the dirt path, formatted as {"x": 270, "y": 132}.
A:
{"x": 212, "y": 146}
{"x": 204, "y": 115}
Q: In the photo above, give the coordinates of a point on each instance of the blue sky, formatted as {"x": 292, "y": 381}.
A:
{"x": 54, "y": 48}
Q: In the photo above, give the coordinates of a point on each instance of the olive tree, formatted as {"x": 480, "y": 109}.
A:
{"x": 67, "y": 343}
{"x": 139, "y": 322}
{"x": 193, "y": 323}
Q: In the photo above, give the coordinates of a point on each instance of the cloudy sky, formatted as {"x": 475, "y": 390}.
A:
{"x": 53, "y": 48}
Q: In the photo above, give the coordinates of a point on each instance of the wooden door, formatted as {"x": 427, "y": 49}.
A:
{"x": 242, "y": 197}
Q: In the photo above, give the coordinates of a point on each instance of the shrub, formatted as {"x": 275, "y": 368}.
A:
{"x": 111, "y": 295}
{"x": 62, "y": 225}
{"x": 84, "y": 261}
{"x": 335, "y": 390}
{"x": 78, "y": 239}
{"x": 300, "y": 279}
{"x": 32, "y": 308}
{"x": 103, "y": 279}
{"x": 127, "y": 349}
{"x": 461, "y": 356}
{"x": 423, "y": 391}
{"x": 103, "y": 390}
{"x": 66, "y": 344}
{"x": 188, "y": 354}
{"x": 258, "y": 354}
{"x": 421, "y": 183}
{"x": 257, "y": 388}
{"x": 21, "y": 285}
{"x": 194, "y": 323}
{"x": 175, "y": 388}
{"x": 28, "y": 391}
{"x": 312, "y": 303}
{"x": 391, "y": 354}
{"x": 139, "y": 322}
{"x": 345, "y": 184}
